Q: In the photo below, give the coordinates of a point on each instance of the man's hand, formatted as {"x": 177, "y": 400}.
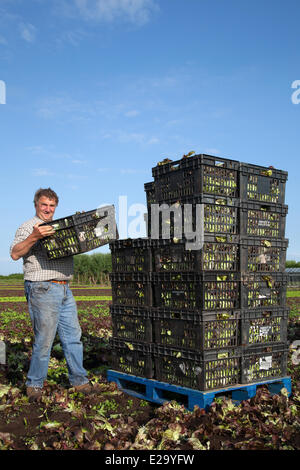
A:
{"x": 21, "y": 249}
{"x": 41, "y": 231}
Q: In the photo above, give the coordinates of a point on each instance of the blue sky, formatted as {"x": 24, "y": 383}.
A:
{"x": 99, "y": 91}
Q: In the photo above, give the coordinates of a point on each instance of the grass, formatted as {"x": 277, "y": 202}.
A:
{"x": 293, "y": 293}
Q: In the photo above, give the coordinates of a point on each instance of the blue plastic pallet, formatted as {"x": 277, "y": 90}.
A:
{"x": 160, "y": 392}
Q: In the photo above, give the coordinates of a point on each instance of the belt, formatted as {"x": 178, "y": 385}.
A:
{"x": 60, "y": 282}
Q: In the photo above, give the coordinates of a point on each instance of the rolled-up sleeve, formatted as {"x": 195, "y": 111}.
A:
{"x": 21, "y": 235}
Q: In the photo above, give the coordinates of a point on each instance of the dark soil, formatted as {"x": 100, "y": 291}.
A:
{"x": 64, "y": 420}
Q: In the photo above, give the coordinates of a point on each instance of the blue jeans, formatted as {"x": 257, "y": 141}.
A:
{"x": 52, "y": 309}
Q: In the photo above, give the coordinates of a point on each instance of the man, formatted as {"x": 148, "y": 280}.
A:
{"x": 51, "y": 304}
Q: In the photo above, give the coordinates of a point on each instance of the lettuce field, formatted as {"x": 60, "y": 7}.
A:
{"x": 113, "y": 420}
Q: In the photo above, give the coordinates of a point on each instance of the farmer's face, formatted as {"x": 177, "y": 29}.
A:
{"x": 45, "y": 208}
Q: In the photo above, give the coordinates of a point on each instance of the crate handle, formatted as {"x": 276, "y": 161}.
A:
{"x": 267, "y": 314}
{"x": 175, "y": 166}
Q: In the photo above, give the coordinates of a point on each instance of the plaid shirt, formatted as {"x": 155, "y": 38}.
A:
{"x": 36, "y": 265}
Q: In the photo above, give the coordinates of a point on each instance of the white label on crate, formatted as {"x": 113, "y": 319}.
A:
{"x": 264, "y": 330}
{"x": 265, "y": 363}
{"x": 264, "y": 223}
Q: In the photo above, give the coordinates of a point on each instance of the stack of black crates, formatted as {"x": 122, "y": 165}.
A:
{"x": 211, "y": 317}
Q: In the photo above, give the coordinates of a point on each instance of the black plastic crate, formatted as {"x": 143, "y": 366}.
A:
{"x": 204, "y": 214}
{"x": 196, "y": 175}
{"x": 264, "y": 362}
{"x": 220, "y": 216}
{"x": 193, "y": 291}
{"x": 80, "y": 233}
{"x": 265, "y": 326}
{"x": 132, "y": 323}
{"x": 260, "y": 290}
{"x": 204, "y": 370}
{"x": 263, "y": 220}
{"x": 131, "y": 289}
{"x": 258, "y": 183}
{"x": 220, "y": 176}
{"x": 150, "y": 192}
{"x": 261, "y": 255}
{"x": 131, "y": 255}
{"x": 195, "y": 330}
{"x": 131, "y": 357}
{"x": 221, "y": 253}
{"x": 217, "y": 254}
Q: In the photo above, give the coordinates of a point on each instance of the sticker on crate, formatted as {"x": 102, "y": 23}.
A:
{"x": 80, "y": 233}
{"x": 264, "y": 326}
{"x": 264, "y": 362}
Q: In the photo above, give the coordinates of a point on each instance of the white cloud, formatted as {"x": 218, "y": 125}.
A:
{"x": 212, "y": 151}
{"x": 102, "y": 170}
{"x": 126, "y": 137}
{"x": 73, "y": 176}
{"x": 53, "y": 154}
{"x": 135, "y": 11}
{"x": 52, "y": 106}
{"x": 73, "y": 37}
{"x": 42, "y": 172}
{"x": 132, "y": 113}
{"x": 78, "y": 162}
{"x": 153, "y": 140}
{"x": 64, "y": 106}
{"x": 27, "y": 32}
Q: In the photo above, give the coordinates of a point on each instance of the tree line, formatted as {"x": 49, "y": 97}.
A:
{"x": 92, "y": 269}
{"x": 292, "y": 264}
{"x": 88, "y": 269}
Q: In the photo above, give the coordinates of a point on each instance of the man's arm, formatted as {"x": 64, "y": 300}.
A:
{"x": 22, "y": 248}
